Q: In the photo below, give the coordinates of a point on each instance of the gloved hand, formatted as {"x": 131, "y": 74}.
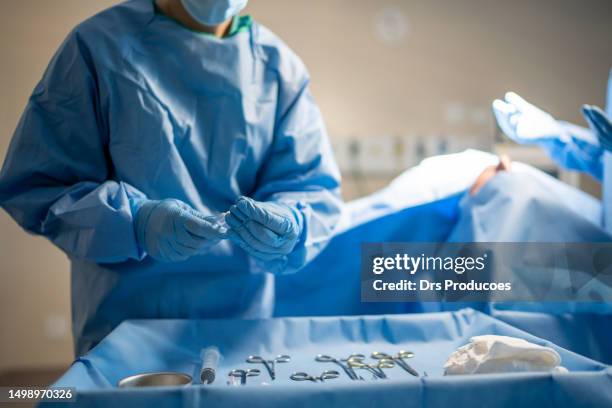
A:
{"x": 267, "y": 230}
{"x": 525, "y": 123}
{"x": 600, "y": 125}
{"x": 570, "y": 146}
{"x": 171, "y": 230}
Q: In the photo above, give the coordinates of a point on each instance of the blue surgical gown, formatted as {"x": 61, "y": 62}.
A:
{"x": 135, "y": 105}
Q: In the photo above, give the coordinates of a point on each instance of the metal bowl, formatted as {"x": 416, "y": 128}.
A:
{"x": 155, "y": 380}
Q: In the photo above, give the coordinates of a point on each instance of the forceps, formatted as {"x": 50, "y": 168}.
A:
{"x": 243, "y": 374}
{"x": 322, "y": 358}
{"x": 376, "y": 369}
{"x": 399, "y": 359}
{"x": 269, "y": 364}
{"x": 325, "y": 375}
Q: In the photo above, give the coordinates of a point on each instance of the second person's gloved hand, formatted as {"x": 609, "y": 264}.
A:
{"x": 525, "y": 123}
{"x": 171, "y": 231}
{"x": 600, "y": 125}
{"x": 570, "y": 146}
{"x": 266, "y": 230}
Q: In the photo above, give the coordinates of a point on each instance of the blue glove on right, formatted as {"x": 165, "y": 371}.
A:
{"x": 525, "y": 123}
{"x": 570, "y": 146}
{"x": 266, "y": 230}
{"x": 600, "y": 125}
{"x": 172, "y": 231}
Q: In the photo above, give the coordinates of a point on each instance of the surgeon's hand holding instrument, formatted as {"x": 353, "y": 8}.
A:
{"x": 325, "y": 375}
{"x": 266, "y": 230}
{"x": 243, "y": 374}
{"x": 269, "y": 364}
{"x": 210, "y": 360}
{"x": 171, "y": 230}
{"x": 399, "y": 359}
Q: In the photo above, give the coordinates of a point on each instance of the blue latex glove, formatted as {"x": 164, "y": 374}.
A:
{"x": 600, "y": 125}
{"x": 172, "y": 231}
{"x": 525, "y": 123}
{"x": 266, "y": 230}
{"x": 570, "y": 146}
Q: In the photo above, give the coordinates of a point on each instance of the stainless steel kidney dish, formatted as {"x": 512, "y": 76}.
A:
{"x": 162, "y": 379}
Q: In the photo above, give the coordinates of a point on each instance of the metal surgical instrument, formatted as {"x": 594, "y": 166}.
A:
{"x": 326, "y": 375}
{"x": 243, "y": 374}
{"x": 399, "y": 359}
{"x": 347, "y": 368}
{"x": 376, "y": 369}
{"x": 269, "y": 364}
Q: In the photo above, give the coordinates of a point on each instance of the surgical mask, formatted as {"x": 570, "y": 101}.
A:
{"x": 213, "y": 12}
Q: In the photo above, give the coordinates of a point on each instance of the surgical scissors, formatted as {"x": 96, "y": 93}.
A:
{"x": 269, "y": 364}
{"x": 399, "y": 359}
{"x": 376, "y": 369}
{"x": 243, "y": 374}
{"x": 323, "y": 358}
{"x": 325, "y": 375}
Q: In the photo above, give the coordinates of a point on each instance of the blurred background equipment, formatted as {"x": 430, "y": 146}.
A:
{"x": 396, "y": 80}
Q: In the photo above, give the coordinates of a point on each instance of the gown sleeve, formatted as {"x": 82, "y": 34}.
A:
{"x": 577, "y": 149}
{"x": 301, "y": 172}
{"x": 57, "y": 179}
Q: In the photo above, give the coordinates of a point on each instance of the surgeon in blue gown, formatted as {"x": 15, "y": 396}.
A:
{"x": 153, "y": 123}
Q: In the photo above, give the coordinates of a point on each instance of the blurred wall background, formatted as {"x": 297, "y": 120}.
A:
{"x": 396, "y": 81}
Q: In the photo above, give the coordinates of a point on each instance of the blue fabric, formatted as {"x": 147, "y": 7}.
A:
{"x": 174, "y": 345}
{"x": 576, "y": 148}
{"x": 521, "y": 205}
{"x": 134, "y": 106}
{"x": 584, "y": 333}
{"x": 527, "y": 205}
{"x": 331, "y": 284}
